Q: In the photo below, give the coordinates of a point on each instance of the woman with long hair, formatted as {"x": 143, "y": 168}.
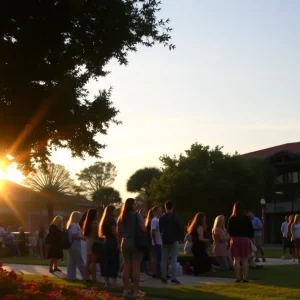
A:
{"x": 202, "y": 262}
{"x": 83, "y": 242}
{"x": 108, "y": 231}
{"x": 75, "y": 251}
{"x": 221, "y": 240}
{"x": 90, "y": 231}
{"x": 129, "y": 223}
{"x": 241, "y": 232}
{"x": 147, "y": 259}
{"x": 295, "y": 232}
{"x": 188, "y": 241}
{"x": 290, "y": 242}
{"x": 54, "y": 242}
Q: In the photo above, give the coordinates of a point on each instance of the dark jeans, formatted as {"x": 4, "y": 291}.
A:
{"x": 158, "y": 258}
{"x": 112, "y": 259}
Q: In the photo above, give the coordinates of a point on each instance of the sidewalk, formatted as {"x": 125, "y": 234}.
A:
{"x": 147, "y": 280}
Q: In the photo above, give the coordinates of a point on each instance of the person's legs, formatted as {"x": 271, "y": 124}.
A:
{"x": 284, "y": 246}
{"x": 237, "y": 268}
{"x": 245, "y": 266}
{"x": 174, "y": 256}
{"x": 51, "y": 263}
{"x": 88, "y": 266}
{"x": 126, "y": 274}
{"x": 222, "y": 260}
{"x": 229, "y": 262}
{"x": 71, "y": 267}
{"x": 136, "y": 275}
{"x": 158, "y": 257}
{"x": 164, "y": 262}
{"x": 55, "y": 263}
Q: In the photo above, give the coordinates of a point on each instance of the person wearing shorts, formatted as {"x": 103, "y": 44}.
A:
{"x": 257, "y": 227}
{"x": 128, "y": 224}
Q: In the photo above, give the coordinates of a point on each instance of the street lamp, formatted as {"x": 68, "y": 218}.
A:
{"x": 263, "y": 204}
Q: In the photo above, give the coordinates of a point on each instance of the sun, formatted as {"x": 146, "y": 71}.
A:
{"x": 11, "y": 173}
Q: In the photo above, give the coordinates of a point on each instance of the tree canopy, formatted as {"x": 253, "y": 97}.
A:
{"x": 97, "y": 176}
{"x": 50, "y": 50}
{"x": 205, "y": 179}
{"x": 140, "y": 181}
{"x": 105, "y": 196}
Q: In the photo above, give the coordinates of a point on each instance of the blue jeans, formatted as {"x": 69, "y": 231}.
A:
{"x": 158, "y": 258}
{"x": 167, "y": 251}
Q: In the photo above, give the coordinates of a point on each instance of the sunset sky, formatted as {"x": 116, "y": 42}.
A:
{"x": 232, "y": 81}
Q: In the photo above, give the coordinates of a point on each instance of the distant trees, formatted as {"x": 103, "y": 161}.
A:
{"x": 52, "y": 180}
{"x": 206, "y": 179}
{"x": 140, "y": 182}
{"x": 106, "y": 196}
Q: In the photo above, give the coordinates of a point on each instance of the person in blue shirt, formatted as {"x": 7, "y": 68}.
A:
{"x": 257, "y": 227}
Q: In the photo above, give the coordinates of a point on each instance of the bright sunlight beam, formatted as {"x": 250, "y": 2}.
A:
{"x": 11, "y": 173}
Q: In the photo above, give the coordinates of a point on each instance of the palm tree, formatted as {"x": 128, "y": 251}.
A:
{"x": 52, "y": 181}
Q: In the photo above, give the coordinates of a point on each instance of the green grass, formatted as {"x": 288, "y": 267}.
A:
{"x": 271, "y": 283}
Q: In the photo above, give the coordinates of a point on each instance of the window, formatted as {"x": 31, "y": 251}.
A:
{"x": 295, "y": 177}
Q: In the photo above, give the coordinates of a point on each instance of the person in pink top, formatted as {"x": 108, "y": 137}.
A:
{"x": 221, "y": 240}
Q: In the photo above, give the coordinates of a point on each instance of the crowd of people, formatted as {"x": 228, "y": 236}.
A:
{"x": 150, "y": 243}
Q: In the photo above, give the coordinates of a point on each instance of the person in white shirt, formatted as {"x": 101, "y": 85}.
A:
{"x": 284, "y": 231}
{"x": 157, "y": 239}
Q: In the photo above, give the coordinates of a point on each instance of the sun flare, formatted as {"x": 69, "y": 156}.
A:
{"x": 11, "y": 173}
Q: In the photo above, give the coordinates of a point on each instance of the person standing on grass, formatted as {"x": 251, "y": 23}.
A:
{"x": 156, "y": 240}
{"x": 75, "y": 250}
{"x": 108, "y": 231}
{"x": 284, "y": 231}
{"x": 289, "y": 237}
{"x": 202, "y": 262}
{"x": 221, "y": 240}
{"x": 295, "y": 232}
{"x": 54, "y": 243}
{"x": 90, "y": 231}
{"x": 129, "y": 223}
{"x": 241, "y": 231}
{"x": 257, "y": 227}
{"x": 169, "y": 227}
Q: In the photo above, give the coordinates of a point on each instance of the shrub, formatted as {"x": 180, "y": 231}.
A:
{"x": 14, "y": 287}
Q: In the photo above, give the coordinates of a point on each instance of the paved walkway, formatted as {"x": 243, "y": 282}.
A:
{"x": 147, "y": 281}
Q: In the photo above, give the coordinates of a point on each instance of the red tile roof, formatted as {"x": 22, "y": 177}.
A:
{"x": 264, "y": 153}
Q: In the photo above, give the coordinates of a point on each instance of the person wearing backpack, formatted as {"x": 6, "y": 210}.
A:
{"x": 75, "y": 250}
{"x": 169, "y": 227}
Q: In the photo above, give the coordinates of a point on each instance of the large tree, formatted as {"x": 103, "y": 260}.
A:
{"x": 105, "y": 196}
{"x": 206, "y": 179}
{"x": 50, "y": 50}
{"x": 97, "y": 176}
{"x": 140, "y": 181}
{"x": 53, "y": 181}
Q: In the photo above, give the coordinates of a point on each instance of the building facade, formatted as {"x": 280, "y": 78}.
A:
{"x": 284, "y": 197}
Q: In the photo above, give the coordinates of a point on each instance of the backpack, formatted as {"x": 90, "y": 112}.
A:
{"x": 168, "y": 231}
{"x": 66, "y": 239}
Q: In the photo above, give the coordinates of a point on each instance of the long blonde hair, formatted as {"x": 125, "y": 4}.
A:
{"x": 58, "y": 222}
{"x": 72, "y": 219}
{"x": 297, "y": 216}
{"x": 217, "y": 222}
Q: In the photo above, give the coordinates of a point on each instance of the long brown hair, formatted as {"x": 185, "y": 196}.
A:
{"x": 126, "y": 209}
{"x": 149, "y": 218}
{"x": 89, "y": 219}
{"x": 238, "y": 210}
{"x": 107, "y": 215}
{"x": 196, "y": 222}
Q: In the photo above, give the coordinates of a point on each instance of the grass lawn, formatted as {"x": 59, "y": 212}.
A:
{"x": 271, "y": 283}
{"x": 32, "y": 260}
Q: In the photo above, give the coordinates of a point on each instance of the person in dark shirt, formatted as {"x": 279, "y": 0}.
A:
{"x": 108, "y": 231}
{"x": 169, "y": 227}
{"x": 241, "y": 231}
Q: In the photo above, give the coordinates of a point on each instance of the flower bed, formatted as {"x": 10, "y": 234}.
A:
{"x": 13, "y": 287}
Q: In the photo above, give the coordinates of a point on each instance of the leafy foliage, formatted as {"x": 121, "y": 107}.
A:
{"x": 205, "y": 179}
{"x": 97, "y": 176}
{"x": 107, "y": 195}
{"x": 50, "y": 50}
